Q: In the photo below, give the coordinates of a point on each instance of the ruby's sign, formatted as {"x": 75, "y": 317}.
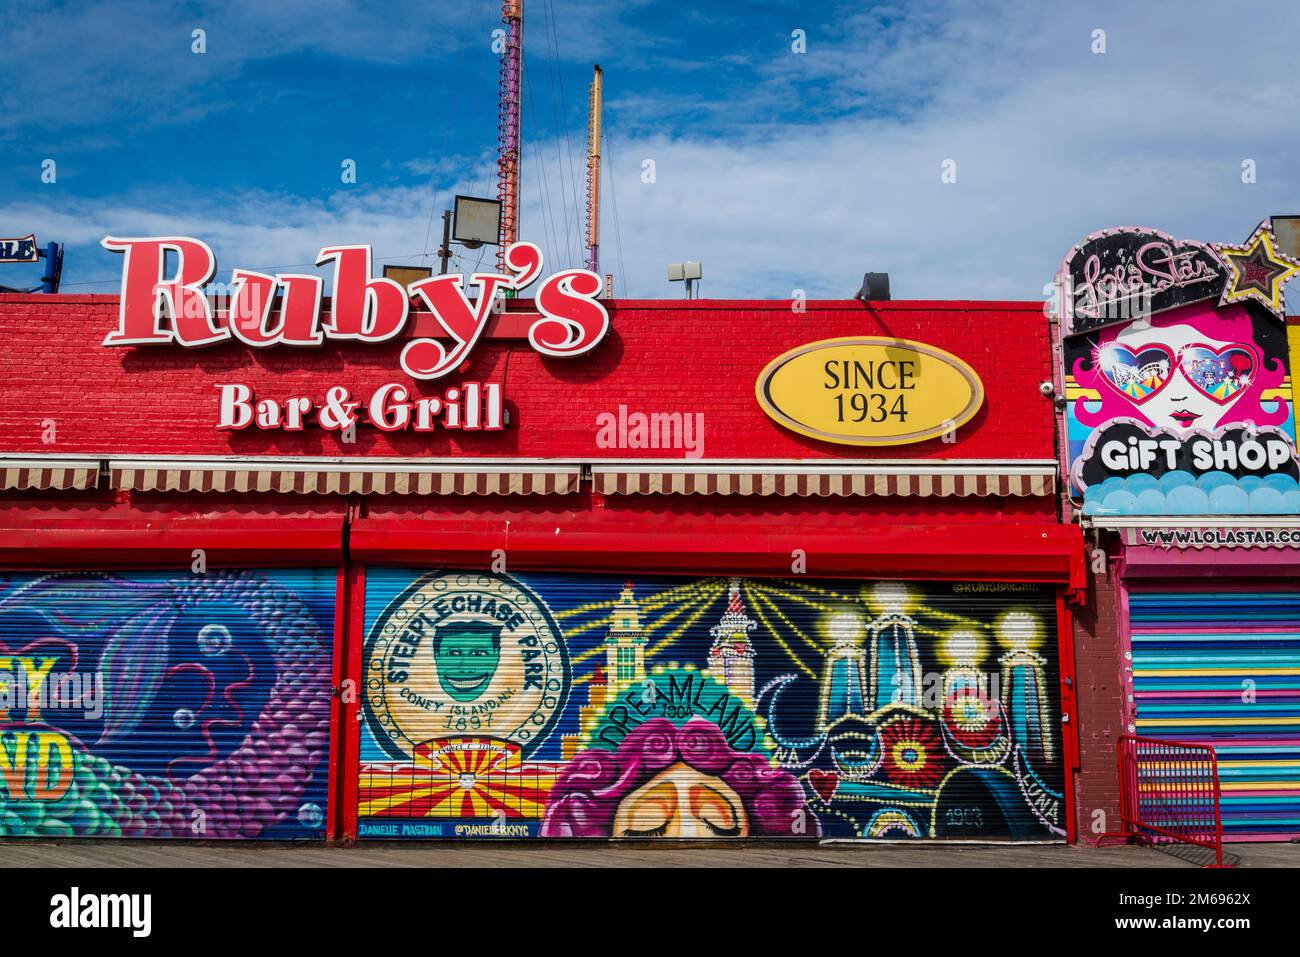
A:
{"x": 157, "y": 309}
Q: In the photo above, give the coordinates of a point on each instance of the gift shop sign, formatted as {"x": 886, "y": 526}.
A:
{"x": 869, "y": 390}
{"x": 1184, "y": 406}
{"x": 284, "y": 310}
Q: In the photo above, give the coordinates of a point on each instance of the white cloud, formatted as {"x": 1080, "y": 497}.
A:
{"x": 1050, "y": 140}
{"x": 131, "y": 60}
{"x": 250, "y": 230}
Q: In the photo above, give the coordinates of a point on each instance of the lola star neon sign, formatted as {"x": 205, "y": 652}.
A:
{"x": 156, "y": 308}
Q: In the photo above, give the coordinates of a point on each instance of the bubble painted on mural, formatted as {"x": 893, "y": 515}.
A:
{"x": 214, "y": 639}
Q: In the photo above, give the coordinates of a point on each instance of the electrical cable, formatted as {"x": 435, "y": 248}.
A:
{"x": 446, "y": 132}
{"x": 613, "y": 198}
{"x": 544, "y": 185}
{"x": 563, "y": 230}
{"x": 574, "y": 226}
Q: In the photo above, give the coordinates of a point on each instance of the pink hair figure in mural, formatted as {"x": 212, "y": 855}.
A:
{"x": 666, "y": 781}
{"x": 1192, "y": 368}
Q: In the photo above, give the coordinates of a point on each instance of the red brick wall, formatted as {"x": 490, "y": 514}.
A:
{"x": 660, "y": 357}
{"x": 1098, "y": 659}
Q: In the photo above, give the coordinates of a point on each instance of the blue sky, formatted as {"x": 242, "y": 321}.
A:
{"x": 780, "y": 170}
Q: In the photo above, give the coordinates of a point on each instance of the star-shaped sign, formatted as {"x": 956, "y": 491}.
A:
{"x": 1256, "y": 270}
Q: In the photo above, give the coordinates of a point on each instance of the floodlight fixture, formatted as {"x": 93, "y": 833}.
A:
{"x": 477, "y": 222}
{"x": 405, "y": 275}
{"x": 1286, "y": 229}
{"x": 690, "y": 272}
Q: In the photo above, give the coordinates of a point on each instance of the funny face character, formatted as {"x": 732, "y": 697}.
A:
{"x": 1194, "y": 368}
{"x": 1179, "y": 377}
{"x": 467, "y": 654}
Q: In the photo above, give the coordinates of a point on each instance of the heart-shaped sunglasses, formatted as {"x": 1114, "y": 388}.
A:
{"x": 1219, "y": 374}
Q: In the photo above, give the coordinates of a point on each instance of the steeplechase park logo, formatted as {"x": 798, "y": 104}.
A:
{"x": 285, "y": 310}
{"x": 464, "y": 654}
{"x": 76, "y": 910}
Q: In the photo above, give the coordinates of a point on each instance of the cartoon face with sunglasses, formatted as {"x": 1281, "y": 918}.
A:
{"x": 1192, "y": 368}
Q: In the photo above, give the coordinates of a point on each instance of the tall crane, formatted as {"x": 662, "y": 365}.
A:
{"x": 594, "y": 106}
{"x": 508, "y": 126}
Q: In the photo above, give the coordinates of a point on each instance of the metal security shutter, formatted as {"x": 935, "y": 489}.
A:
{"x": 589, "y": 706}
{"x": 1222, "y": 667}
{"x": 165, "y": 704}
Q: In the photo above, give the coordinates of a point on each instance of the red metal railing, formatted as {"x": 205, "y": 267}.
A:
{"x": 1169, "y": 792}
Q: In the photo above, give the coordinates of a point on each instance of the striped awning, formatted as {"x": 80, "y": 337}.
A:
{"x": 48, "y": 473}
{"x": 344, "y": 477}
{"x": 465, "y": 476}
{"x": 820, "y": 479}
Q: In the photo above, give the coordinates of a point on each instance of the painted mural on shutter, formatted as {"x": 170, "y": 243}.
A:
{"x": 1222, "y": 668}
{"x": 150, "y": 704}
{"x": 587, "y": 706}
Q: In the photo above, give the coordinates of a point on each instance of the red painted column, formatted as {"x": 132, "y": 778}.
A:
{"x": 336, "y": 710}
{"x": 1069, "y": 713}
{"x": 347, "y": 766}
{"x": 1100, "y": 703}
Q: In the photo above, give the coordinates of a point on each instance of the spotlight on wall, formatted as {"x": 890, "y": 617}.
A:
{"x": 476, "y": 222}
{"x": 875, "y": 287}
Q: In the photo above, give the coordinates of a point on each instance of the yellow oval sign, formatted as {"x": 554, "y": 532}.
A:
{"x": 869, "y": 390}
